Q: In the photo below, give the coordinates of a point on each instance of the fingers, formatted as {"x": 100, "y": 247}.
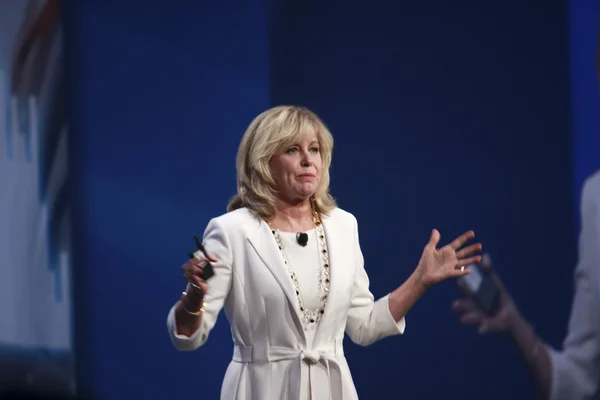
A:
{"x": 469, "y": 250}
{"x": 201, "y": 283}
{"x": 471, "y": 315}
{"x": 494, "y": 324}
{"x": 472, "y": 318}
{"x": 462, "y": 239}
{"x": 457, "y": 273}
{"x": 193, "y": 270}
{"x": 194, "y": 259}
{"x": 470, "y": 312}
{"x": 203, "y": 260}
{"x": 196, "y": 270}
{"x": 193, "y": 274}
{"x": 469, "y": 261}
{"x": 434, "y": 239}
{"x": 464, "y": 305}
{"x": 211, "y": 258}
{"x": 475, "y": 319}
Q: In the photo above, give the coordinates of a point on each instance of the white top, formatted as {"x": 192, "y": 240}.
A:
{"x": 306, "y": 262}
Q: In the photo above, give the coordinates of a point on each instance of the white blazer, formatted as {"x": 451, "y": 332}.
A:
{"x": 269, "y": 344}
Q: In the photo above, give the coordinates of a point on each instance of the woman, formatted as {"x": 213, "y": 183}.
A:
{"x": 289, "y": 271}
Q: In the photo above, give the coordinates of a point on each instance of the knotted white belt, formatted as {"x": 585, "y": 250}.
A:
{"x": 324, "y": 354}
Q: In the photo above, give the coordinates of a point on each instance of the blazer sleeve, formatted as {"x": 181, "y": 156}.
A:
{"x": 576, "y": 370}
{"x": 216, "y": 242}
{"x": 368, "y": 320}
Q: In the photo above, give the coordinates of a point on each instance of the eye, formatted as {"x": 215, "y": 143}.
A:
{"x": 292, "y": 150}
{"x": 314, "y": 149}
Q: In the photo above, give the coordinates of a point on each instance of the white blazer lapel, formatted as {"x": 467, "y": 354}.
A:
{"x": 265, "y": 245}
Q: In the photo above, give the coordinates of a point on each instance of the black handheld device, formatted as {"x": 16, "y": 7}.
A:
{"x": 479, "y": 286}
{"x": 207, "y": 270}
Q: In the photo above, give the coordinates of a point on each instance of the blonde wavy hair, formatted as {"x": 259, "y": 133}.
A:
{"x": 270, "y": 133}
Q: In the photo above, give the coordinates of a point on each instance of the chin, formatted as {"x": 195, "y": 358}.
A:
{"x": 301, "y": 197}
{"x": 307, "y": 193}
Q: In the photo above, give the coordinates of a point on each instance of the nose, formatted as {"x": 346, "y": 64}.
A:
{"x": 306, "y": 160}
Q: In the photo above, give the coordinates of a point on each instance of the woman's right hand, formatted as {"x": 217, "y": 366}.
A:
{"x": 507, "y": 316}
{"x": 192, "y": 272}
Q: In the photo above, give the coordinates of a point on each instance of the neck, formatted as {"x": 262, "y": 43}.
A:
{"x": 294, "y": 217}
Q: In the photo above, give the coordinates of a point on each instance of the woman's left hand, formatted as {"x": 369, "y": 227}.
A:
{"x": 437, "y": 265}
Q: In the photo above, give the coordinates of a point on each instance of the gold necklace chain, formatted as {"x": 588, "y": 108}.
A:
{"x": 310, "y": 317}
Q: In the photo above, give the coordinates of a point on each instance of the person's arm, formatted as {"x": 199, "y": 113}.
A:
{"x": 534, "y": 354}
{"x": 369, "y": 321}
{"x": 574, "y": 373}
{"x": 188, "y": 311}
{"x": 187, "y": 331}
{"x": 405, "y": 296}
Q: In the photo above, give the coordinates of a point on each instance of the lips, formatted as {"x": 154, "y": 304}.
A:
{"x": 306, "y": 176}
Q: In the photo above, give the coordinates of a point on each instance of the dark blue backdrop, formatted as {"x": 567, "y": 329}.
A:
{"x": 454, "y": 117}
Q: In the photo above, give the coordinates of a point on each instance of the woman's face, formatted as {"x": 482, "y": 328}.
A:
{"x": 297, "y": 171}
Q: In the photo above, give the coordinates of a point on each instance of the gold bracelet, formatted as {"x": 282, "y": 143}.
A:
{"x": 194, "y": 313}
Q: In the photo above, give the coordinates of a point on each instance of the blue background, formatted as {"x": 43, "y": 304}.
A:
{"x": 473, "y": 116}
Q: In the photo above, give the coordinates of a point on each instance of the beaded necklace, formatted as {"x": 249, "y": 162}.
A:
{"x": 310, "y": 316}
